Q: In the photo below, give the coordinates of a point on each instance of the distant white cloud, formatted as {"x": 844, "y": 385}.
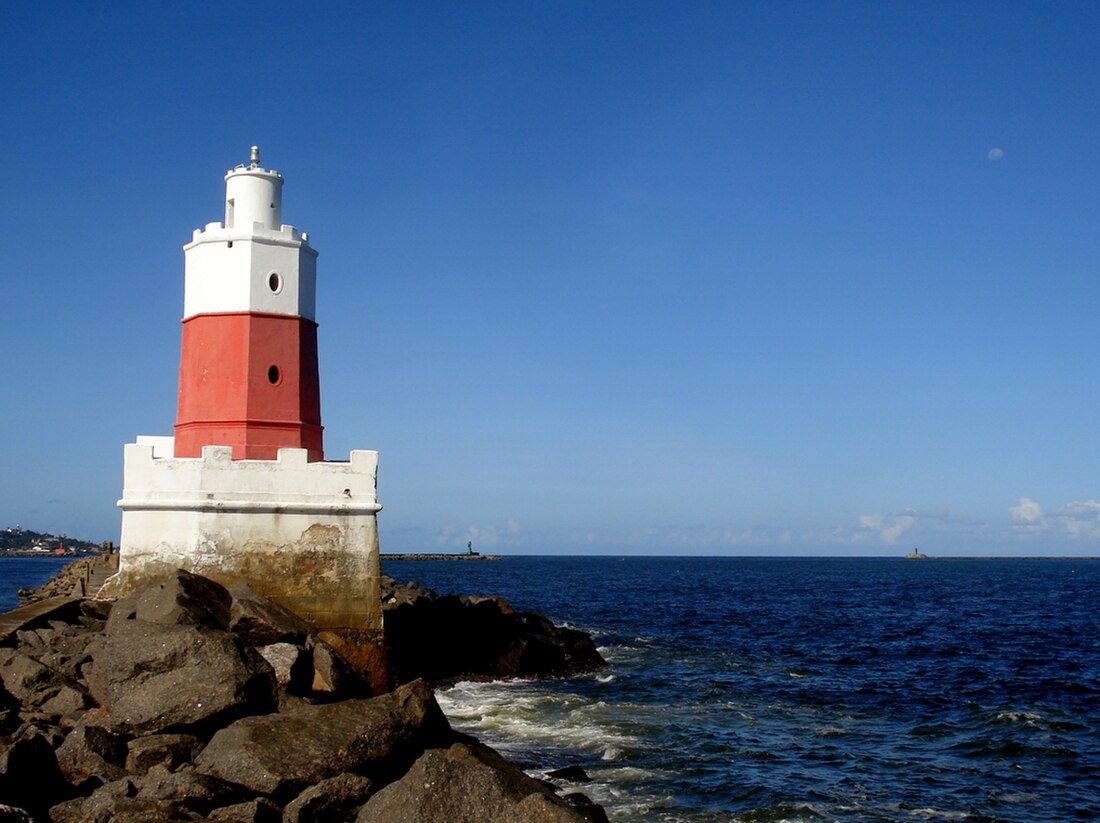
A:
{"x": 886, "y": 528}
{"x": 1026, "y": 511}
{"x": 1081, "y": 520}
{"x": 996, "y": 154}
{"x": 871, "y": 521}
{"x": 490, "y": 536}
{"x": 1078, "y": 520}
{"x": 901, "y": 523}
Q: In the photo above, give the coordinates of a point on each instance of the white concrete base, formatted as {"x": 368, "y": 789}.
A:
{"x": 303, "y": 534}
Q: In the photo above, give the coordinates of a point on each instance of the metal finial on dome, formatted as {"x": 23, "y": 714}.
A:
{"x": 254, "y": 160}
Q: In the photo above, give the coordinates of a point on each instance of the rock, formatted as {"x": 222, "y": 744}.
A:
{"x": 338, "y": 798}
{"x": 279, "y": 754}
{"x": 261, "y": 622}
{"x": 173, "y": 663}
{"x": 187, "y": 788}
{"x": 574, "y": 774}
{"x": 117, "y": 803}
{"x": 181, "y": 678}
{"x": 24, "y": 677}
{"x": 41, "y": 725}
{"x": 92, "y": 750}
{"x": 10, "y": 814}
{"x": 29, "y": 776}
{"x": 97, "y": 806}
{"x": 502, "y": 604}
{"x": 334, "y": 677}
{"x": 169, "y": 750}
{"x": 9, "y": 711}
{"x": 463, "y": 784}
{"x": 537, "y": 808}
{"x": 365, "y": 653}
{"x": 260, "y": 810}
{"x": 182, "y": 598}
{"x": 95, "y": 611}
{"x": 65, "y": 700}
{"x": 590, "y": 810}
{"x": 443, "y": 639}
{"x": 29, "y": 640}
{"x": 293, "y": 667}
{"x": 397, "y": 594}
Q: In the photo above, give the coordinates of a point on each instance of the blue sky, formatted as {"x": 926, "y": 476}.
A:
{"x": 744, "y": 278}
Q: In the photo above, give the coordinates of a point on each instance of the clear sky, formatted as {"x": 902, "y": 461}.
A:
{"x": 750, "y": 278}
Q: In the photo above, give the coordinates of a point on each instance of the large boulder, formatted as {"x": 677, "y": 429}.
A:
{"x": 24, "y": 677}
{"x": 169, "y": 750}
{"x": 180, "y": 598}
{"x": 280, "y": 754}
{"x": 444, "y": 639}
{"x": 333, "y": 676}
{"x": 187, "y": 788}
{"x": 261, "y": 622}
{"x": 117, "y": 802}
{"x": 92, "y": 750}
{"x": 338, "y": 798}
{"x": 154, "y": 677}
{"x": 467, "y": 783}
{"x": 293, "y": 667}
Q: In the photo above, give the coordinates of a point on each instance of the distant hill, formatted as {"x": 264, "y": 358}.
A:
{"x": 24, "y": 541}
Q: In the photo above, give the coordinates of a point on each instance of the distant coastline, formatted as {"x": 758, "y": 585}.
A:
{"x": 49, "y": 554}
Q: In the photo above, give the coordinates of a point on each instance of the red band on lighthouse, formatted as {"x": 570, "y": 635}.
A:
{"x": 248, "y": 360}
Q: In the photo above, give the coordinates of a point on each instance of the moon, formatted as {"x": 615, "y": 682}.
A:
{"x": 996, "y": 154}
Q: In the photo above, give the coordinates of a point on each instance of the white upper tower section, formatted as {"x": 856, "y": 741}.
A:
{"x": 253, "y": 195}
{"x": 252, "y": 262}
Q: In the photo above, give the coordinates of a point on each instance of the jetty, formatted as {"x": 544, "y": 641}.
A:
{"x": 441, "y": 556}
{"x": 70, "y": 584}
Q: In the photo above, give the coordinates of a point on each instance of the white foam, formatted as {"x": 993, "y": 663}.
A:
{"x": 534, "y": 718}
{"x": 938, "y": 814}
{"x": 1025, "y": 718}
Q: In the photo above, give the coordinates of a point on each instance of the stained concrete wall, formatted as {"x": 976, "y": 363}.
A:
{"x": 303, "y": 534}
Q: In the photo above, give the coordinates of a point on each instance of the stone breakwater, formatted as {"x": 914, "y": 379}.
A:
{"x": 190, "y": 701}
{"x": 63, "y": 583}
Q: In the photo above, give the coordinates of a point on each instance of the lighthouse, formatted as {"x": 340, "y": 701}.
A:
{"x": 248, "y": 363}
{"x": 241, "y": 491}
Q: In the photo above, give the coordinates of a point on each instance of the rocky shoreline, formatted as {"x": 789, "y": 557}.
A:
{"x": 190, "y": 701}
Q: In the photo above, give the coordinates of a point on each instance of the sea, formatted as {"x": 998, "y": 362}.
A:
{"x": 796, "y": 689}
{"x": 805, "y": 689}
{"x": 27, "y": 572}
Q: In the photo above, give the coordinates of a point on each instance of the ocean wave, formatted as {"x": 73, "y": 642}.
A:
{"x": 536, "y": 720}
{"x": 781, "y": 813}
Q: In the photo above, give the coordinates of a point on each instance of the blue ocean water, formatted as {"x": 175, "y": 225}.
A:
{"x": 26, "y": 572}
{"x": 786, "y": 689}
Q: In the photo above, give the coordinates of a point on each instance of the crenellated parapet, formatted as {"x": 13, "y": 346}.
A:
{"x": 288, "y": 484}
{"x": 301, "y": 533}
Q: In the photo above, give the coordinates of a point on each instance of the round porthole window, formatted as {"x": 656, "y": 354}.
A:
{"x": 275, "y": 282}
{"x": 273, "y": 375}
